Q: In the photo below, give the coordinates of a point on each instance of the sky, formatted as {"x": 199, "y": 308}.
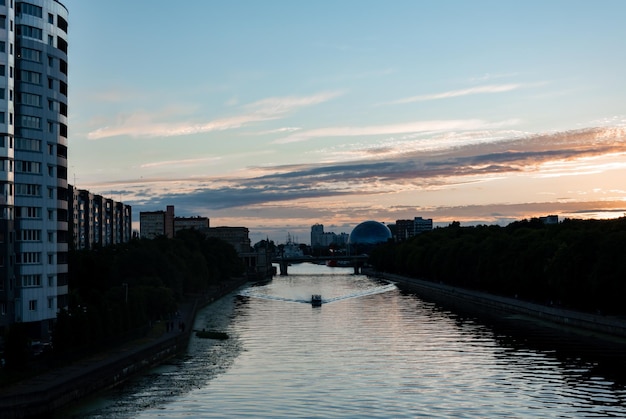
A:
{"x": 276, "y": 115}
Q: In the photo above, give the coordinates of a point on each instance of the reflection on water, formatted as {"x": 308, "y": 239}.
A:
{"x": 371, "y": 351}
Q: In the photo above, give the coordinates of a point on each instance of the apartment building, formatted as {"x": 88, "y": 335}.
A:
{"x": 33, "y": 163}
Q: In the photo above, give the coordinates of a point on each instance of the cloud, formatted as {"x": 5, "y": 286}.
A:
{"x": 146, "y": 125}
{"x": 417, "y": 170}
{"x": 183, "y": 162}
{"x": 491, "y": 88}
{"x": 403, "y": 128}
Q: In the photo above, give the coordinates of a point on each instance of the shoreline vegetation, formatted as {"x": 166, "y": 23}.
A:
{"x": 574, "y": 265}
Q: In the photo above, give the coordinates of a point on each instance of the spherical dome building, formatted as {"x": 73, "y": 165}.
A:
{"x": 367, "y": 235}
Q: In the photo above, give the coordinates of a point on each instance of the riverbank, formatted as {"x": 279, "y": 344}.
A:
{"x": 42, "y": 394}
{"x": 608, "y": 328}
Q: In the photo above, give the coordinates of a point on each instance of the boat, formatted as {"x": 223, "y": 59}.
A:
{"x": 316, "y": 300}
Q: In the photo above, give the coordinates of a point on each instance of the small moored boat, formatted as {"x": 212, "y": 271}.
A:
{"x": 316, "y": 300}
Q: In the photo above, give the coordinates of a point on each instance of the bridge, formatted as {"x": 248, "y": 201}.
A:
{"x": 283, "y": 263}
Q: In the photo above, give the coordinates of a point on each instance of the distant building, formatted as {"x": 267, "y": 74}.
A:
{"x": 97, "y": 221}
{"x": 422, "y": 224}
{"x": 238, "y": 237}
{"x": 157, "y": 223}
{"x": 405, "y": 229}
{"x": 164, "y": 223}
{"x": 189, "y": 223}
{"x": 319, "y": 238}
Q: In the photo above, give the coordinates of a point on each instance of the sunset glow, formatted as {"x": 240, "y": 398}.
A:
{"x": 277, "y": 115}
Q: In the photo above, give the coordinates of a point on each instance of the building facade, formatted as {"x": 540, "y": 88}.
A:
{"x": 319, "y": 238}
{"x": 190, "y": 223}
{"x": 164, "y": 223}
{"x": 96, "y": 221}
{"x": 238, "y": 237}
{"x": 33, "y": 163}
{"x": 405, "y": 229}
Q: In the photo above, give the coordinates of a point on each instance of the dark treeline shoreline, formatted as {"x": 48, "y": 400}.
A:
{"x": 575, "y": 264}
{"x": 121, "y": 292}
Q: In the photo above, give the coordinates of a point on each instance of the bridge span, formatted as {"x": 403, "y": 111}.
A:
{"x": 357, "y": 261}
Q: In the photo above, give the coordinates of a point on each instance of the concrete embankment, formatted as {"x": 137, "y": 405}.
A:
{"x": 607, "y": 327}
{"x": 41, "y": 395}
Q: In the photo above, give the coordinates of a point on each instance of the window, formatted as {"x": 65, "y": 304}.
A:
{"x": 29, "y": 235}
{"x": 27, "y": 144}
{"x": 2, "y": 93}
{"x": 32, "y": 304}
{"x": 29, "y": 31}
{"x": 27, "y": 189}
{"x": 30, "y": 99}
{"x": 22, "y": 166}
{"x": 62, "y": 44}
{"x": 51, "y": 18}
{"x": 3, "y": 21}
{"x": 62, "y": 23}
{"x": 3, "y": 70}
{"x": 31, "y": 280}
{"x": 27, "y": 121}
{"x": 29, "y": 9}
{"x": 28, "y": 258}
{"x": 30, "y": 76}
{"x": 28, "y": 212}
{"x": 30, "y": 54}
{"x": 3, "y": 46}
{"x": 50, "y": 302}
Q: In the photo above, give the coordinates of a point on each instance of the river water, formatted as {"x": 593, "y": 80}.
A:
{"x": 370, "y": 351}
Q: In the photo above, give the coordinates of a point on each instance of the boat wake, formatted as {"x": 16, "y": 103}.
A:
{"x": 250, "y": 292}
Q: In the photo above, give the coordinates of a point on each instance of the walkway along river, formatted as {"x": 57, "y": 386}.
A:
{"x": 372, "y": 350}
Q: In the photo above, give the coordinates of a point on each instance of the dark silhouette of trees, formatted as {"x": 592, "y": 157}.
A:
{"x": 578, "y": 264}
{"x": 117, "y": 291}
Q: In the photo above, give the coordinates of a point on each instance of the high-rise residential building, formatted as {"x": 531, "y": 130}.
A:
{"x": 33, "y": 163}
{"x": 96, "y": 221}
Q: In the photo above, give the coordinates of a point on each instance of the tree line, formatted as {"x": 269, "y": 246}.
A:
{"x": 117, "y": 292}
{"x": 577, "y": 264}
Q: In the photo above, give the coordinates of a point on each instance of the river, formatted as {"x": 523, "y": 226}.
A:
{"x": 370, "y": 351}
